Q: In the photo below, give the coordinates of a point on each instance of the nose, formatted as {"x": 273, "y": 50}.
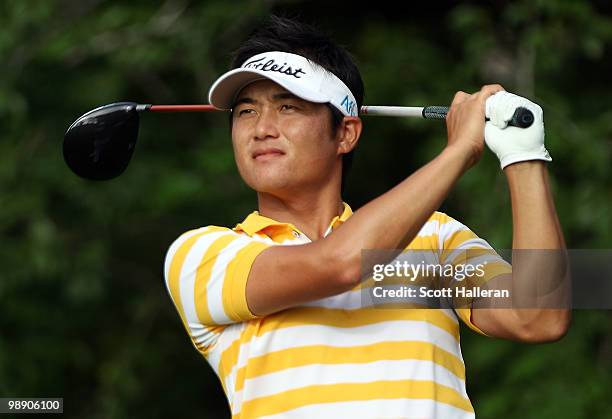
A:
{"x": 266, "y": 125}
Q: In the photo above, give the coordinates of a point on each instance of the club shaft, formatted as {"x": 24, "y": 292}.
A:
{"x": 402, "y": 111}
{"x": 181, "y": 108}
{"x": 522, "y": 117}
{"x": 410, "y": 111}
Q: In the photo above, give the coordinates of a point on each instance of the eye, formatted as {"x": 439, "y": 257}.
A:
{"x": 245, "y": 111}
{"x": 287, "y": 106}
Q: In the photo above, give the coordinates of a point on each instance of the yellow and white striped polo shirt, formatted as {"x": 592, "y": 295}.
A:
{"x": 331, "y": 358}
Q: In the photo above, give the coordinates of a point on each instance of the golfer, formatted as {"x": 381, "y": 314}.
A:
{"x": 274, "y": 303}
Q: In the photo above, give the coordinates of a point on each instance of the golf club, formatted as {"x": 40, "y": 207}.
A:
{"x": 100, "y": 143}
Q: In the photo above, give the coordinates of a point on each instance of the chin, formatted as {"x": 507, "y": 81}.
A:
{"x": 269, "y": 184}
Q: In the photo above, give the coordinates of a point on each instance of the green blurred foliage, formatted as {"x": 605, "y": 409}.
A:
{"x": 84, "y": 313}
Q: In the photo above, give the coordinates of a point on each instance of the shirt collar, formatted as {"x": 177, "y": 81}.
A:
{"x": 255, "y": 223}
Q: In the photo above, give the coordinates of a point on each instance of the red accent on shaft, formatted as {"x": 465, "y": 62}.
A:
{"x": 183, "y": 108}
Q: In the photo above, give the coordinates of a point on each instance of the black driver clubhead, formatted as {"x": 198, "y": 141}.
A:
{"x": 100, "y": 144}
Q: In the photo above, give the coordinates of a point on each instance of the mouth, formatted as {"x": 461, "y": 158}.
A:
{"x": 267, "y": 153}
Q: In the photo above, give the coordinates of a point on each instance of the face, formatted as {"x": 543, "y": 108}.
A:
{"x": 281, "y": 142}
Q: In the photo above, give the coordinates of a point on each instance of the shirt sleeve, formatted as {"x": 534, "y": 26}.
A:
{"x": 460, "y": 245}
{"x": 206, "y": 272}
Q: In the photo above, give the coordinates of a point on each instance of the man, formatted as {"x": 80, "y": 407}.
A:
{"x": 274, "y": 303}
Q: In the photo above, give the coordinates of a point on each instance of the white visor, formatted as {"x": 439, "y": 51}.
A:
{"x": 295, "y": 73}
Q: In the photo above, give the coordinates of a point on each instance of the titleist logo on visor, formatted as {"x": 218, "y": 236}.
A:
{"x": 271, "y": 65}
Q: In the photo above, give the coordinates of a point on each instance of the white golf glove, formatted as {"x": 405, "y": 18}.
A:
{"x": 513, "y": 144}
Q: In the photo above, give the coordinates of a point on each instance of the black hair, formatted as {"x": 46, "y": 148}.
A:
{"x": 296, "y": 37}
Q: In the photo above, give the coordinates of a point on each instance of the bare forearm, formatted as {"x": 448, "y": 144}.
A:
{"x": 534, "y": 218}
{"x": 539, "y": 256}
{"x": 540, "y": 280}
{"x": 540, "y": 261}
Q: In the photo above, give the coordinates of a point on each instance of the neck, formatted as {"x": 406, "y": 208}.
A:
{"x": 309, "y": 211}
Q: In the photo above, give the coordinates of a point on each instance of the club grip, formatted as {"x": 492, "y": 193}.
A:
{"x": 522, "y": 117}
{"x": 435, "y": 112}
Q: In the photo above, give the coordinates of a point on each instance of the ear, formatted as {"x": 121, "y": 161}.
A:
{"x": 348, "y": 134}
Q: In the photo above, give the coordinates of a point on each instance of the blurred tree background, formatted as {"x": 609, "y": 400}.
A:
{"x": 84, "y": 312}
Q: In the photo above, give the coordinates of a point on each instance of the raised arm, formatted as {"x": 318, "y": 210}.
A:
{"x": 540, "y": 280}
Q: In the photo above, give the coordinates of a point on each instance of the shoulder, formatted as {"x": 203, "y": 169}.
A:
{"x": 199, "y": 236}
{"x": 441, "y": 217}
{"x": 212, "y": 241}
{"x": 446, "y": 223}
{"x": 447, "y": 231}
{"x": 440, "y": 223}
{"x": 197, "y": 233}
